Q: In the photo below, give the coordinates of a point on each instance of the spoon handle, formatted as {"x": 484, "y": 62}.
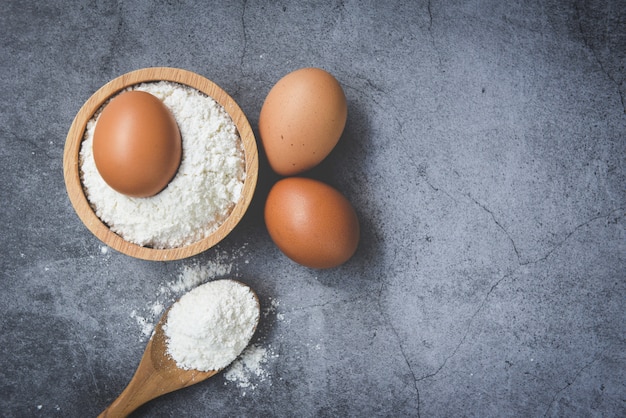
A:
{"x": 143, "y": 387}
{"x": 156, "y": 375}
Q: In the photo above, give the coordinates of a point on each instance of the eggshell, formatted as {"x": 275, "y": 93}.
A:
{"x": 137, "y": 146}
{"x": 301, "y": 120}
{"x": 311, "y": 222}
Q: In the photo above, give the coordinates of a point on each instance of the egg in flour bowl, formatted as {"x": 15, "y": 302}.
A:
{"x": 301, "y": 120}
{"x": 198, "y": 204}
{"x": 136, "y": 144}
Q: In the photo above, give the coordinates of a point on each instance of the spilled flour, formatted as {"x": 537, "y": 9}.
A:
{"x": 252, "y": 367}
{"x": 251, "y": 364}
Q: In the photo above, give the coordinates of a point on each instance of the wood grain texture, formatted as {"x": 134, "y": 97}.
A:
{"x": 75, "y": 136}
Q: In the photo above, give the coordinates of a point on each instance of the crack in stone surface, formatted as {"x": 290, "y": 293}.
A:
{"x": 323, "y": 305}
{"x": 505, "y": 277}
{"x": 244, "y": 47}
{"x": 555, "y": 247}
{"x": 469, "y": 326}
{"x": 430, "y": 31}
{"x": 572, "y": 232}
{"x": 400, "y": 345}
{"x": 570, "y": 382}
{"x": 499, "y": 225}
{"x": 400, "y": 125}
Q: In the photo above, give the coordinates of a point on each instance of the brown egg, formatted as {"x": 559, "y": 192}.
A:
{"x": 137, "y": 146}
{"x": 311, "y": 222}
{"x": 301, "y": 120}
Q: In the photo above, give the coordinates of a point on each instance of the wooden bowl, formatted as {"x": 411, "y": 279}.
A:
{"x": 75, "y": 136}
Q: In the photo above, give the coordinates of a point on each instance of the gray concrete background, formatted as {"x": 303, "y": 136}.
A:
{"x": 484, "y": 153}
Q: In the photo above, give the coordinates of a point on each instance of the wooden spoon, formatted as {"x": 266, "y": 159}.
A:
{"x": 156, "y": 375}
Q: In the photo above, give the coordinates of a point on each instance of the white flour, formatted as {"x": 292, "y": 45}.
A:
{"x": 249, "y": 364}
{"x": 211, "y": 325}
{"x": 190, "y": 276}
{"x": 199, "y": 198}
{"x": 194, "y": 275}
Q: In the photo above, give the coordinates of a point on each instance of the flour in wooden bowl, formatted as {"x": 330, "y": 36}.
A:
{"x": 207, "y": 186}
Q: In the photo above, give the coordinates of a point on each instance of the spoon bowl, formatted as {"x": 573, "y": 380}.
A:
{"x": 157, "y": 374}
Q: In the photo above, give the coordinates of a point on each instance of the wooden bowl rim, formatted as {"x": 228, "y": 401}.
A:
{"x": 75, "y": 136}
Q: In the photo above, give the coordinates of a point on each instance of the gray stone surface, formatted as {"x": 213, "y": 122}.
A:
{"x": 484, "y": 153}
